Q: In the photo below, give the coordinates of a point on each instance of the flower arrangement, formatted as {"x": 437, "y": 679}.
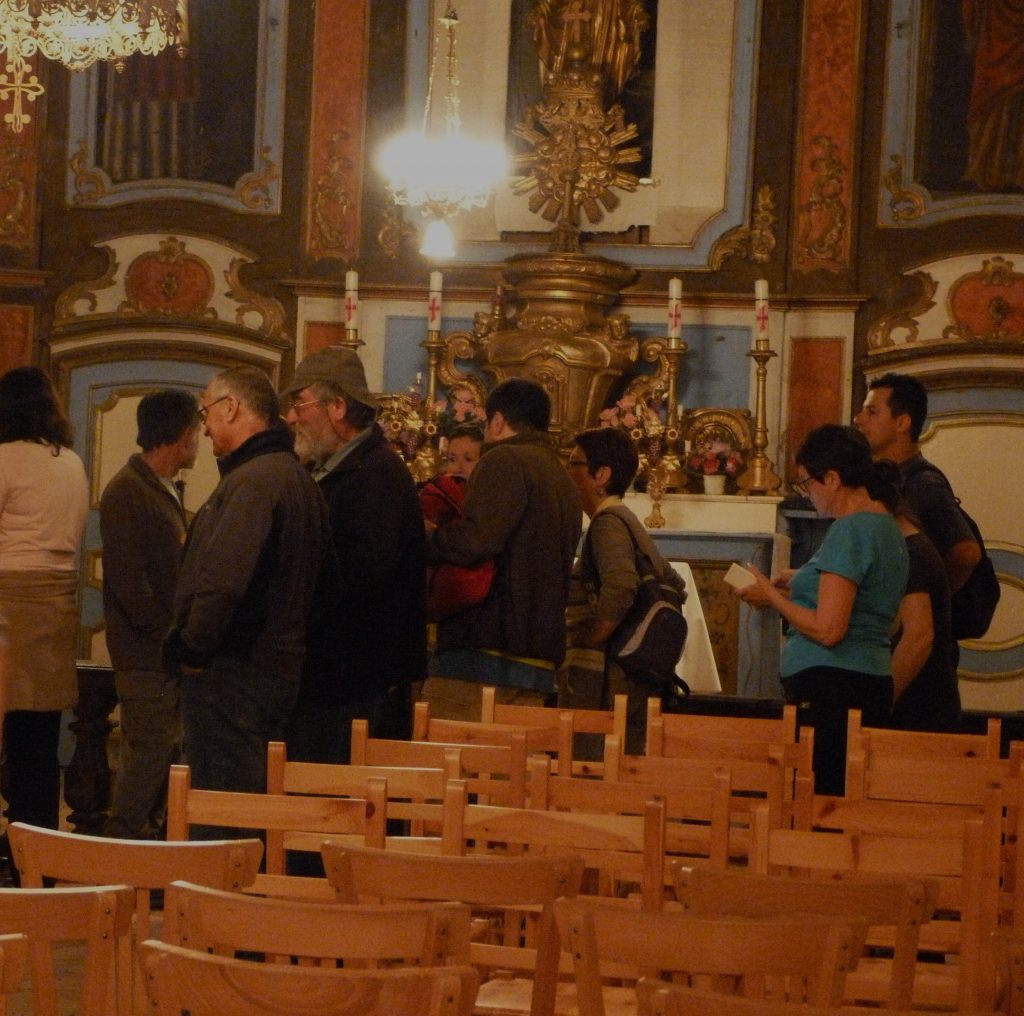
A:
{"x": 715, "y": 459}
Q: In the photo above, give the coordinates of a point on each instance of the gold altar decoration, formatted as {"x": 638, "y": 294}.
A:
{"x": 77, "y": 33}
{"x": 760, "y": 477}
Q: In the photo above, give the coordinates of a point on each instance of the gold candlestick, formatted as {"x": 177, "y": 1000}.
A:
{"x": 434, "y": 345}
{"x": 759, "y": 477}
{"x": 352, "y": 340}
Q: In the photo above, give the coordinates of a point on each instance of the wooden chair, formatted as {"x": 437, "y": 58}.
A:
{"x": 626, "y": 851}
{"x": 898, "y": 907}
{"x": 521, "y": 890}
{"x": 678, "y": 736}
{"x": 307, "y": 820}
{"x": 144, "y": 865}
{"x": 415, "y": 795}
{"x": 589, "y": 723}
{"x": 913, "y": 742}
{"x": 656, "y": 998}
{"x": 204, "y": 985}
{"x": 750, "y": 779}
{"x": 555, "y": 741}
{"x": 495, "y": 773}
{"x": 802, "y": 957}
{"x": 911, "y": 841}
{"x": 328, "y": 934}
{"x": 697, "y": 809}
{"x": 98, "y": 916}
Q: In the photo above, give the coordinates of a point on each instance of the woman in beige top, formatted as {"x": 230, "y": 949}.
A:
{"x": 43, "y": 502}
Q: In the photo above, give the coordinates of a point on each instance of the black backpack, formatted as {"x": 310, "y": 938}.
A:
{"x": 974, "y": 603}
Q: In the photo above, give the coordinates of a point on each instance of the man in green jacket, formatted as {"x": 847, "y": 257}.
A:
{"x": 521, "y": 510}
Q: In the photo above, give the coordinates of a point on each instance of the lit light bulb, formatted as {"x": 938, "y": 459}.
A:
{"x": 438, "y": 241}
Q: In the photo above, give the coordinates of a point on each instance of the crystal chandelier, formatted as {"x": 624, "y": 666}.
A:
{"x": 442, "y": 175}
{"x": 77, "y": 33}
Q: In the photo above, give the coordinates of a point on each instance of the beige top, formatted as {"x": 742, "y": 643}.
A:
{"x": 43, "y": 502}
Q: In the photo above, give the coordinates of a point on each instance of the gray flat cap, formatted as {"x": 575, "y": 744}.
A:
{"x": 337, "y": 364}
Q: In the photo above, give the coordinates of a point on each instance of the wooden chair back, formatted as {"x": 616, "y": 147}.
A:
{"x": 205, "y": 985}
{"x": 98, "y": 916}
{"x": 495, "y": 772}
{"x": 894, "y": 909}
{"x": 330, "y": 934}
{"x": 697, "y": 811}
{"x": 884, "y": 741}
{"x": 553, "y": 740}
{"x": 626, "y": 851}
{"x": 521, "y": 890}
{"x": 306, "y": 820}
{"x": 415, "y": 795}
{"x": 912, "y": 841}
{"x": 782, "y": 730}
{"x": 144, "y": 865}
{"x": 656, "y": 998}
{"x": 801, "y": 957}
{"x": 585, "y": 722}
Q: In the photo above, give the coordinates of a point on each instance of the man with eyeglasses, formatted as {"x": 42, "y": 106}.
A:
{"x": 254, "y": 555}
{"x": 370, "y": 645}
{"x": 522, "y": 510}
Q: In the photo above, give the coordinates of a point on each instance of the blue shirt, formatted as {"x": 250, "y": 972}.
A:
{"x": 868, "y": 549}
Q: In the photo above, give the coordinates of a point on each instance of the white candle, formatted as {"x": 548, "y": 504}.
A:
{"x": 675, "y": 311}
{"x": 352, "y": 300}
{"x": 761, "y": 312}
{"x": 434, "y": 303}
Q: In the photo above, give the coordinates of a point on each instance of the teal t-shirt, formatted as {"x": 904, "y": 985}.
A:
{"x": 868, "y": 549}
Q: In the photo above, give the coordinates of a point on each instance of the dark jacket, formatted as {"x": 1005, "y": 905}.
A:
{"x": 377, "y": 637}
{"x": 522, "y": 510}
{"x": 142, "y": 525}
{"x": 253, "y": 558}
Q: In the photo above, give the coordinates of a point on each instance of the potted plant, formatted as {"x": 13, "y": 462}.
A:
{"x": 715, "y": 463}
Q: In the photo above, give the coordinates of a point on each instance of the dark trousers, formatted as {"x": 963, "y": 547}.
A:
{"x": 32, "y": 784}
{"x": 827, "y": 695}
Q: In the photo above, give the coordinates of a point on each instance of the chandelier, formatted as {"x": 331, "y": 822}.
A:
{"x": 442, "y": 175}
{"x": 77, "y": 33}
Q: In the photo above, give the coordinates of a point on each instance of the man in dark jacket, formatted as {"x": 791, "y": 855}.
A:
{"x": 369, "y": 644}
{"x": 522, "y": 511}
{"x": 142, "y": 522}
{"x": 253, "y": 558}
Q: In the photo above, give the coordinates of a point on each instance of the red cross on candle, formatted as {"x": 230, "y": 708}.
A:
{"x": 675, "y": 315}
{"x": 350, "y": 309}
{"x": 762, "y": 318}
{"x": 433, "y": 310}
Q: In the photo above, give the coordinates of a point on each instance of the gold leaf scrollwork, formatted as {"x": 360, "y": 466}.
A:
{"x": 394, "y": 230}
{"x": 905, "y": 203}
{"x": 64, "y": 312}
{"x": 880, "y": 335}
{"x": 12, "y": 184}
{"x": 90, "y": 185}
{"x": 253, "y": 189}
{"x": 461, "y": 346}
{"x": 823, "y": 217}
{"x": 271, "y": 312}
{"x": 755, "y": 242}
{"x": 332, "y": 202}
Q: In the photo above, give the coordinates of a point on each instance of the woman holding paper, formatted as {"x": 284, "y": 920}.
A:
{"x": 840, "y": 606}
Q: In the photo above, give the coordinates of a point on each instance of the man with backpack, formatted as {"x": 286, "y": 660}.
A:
{"x": 892, "y": 418}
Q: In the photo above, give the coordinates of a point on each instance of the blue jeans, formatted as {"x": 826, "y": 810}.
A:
{"x": 230, "y": 711}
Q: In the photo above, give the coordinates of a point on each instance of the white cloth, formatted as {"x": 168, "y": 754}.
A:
{"x": 697, "y": 666}
{"x": 43, "y": 502}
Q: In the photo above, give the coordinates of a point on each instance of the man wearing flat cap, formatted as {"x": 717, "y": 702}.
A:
{"x": 369, "y": 645}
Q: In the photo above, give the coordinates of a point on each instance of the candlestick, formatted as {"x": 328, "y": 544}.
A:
{"x": 351, "y": 300}
{"x": 434, "y": 303}
{"x": 761, "y": 340}
{"x": 675, "y": 311}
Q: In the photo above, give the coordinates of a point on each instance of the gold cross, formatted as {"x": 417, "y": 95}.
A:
{"x": 23, "y": 85}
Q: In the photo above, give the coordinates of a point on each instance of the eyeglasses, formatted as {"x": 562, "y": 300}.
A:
{"x": 296, "y": 406}
{"x": 801, "y": 485}
{"x": 578, "y": 462}
{"x": 204, "y": 410}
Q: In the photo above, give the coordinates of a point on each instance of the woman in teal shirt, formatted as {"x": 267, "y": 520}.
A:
{"x": 840, "y": 606}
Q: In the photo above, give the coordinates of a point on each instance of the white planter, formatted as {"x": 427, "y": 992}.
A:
{"x": 714, "y": 484}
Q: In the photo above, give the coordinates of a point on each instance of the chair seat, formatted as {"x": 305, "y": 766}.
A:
{"x": 510, "y": 996}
